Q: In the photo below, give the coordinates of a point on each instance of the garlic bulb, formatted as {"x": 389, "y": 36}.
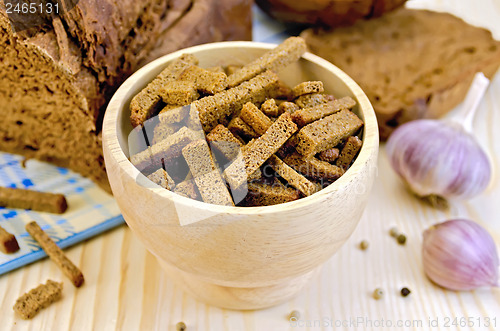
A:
{"x": 460, "y": 255}
{"x": 439, "y": 158}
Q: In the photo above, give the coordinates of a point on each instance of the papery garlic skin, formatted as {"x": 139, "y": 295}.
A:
{"x": 460, "y": 255}
{"x": 439, "y": 158}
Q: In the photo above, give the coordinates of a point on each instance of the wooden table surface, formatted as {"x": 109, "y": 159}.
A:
{"x": 125, "y": 288}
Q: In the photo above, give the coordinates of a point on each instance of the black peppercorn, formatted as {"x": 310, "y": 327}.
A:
{"x": 405, "y": 291}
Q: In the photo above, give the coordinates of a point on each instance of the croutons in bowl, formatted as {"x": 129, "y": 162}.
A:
{"x": 234, "y": 254}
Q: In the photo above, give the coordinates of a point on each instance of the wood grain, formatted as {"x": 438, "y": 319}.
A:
{"x": 126, "y": 289}
{"x": 149, "y": 300}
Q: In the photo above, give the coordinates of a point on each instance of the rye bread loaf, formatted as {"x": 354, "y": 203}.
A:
{"x": 56, "y": 79}
{"x": 327, "y": 12}
{"x": 411, "y": 63}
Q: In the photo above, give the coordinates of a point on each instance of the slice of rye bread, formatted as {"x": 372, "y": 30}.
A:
{"x": 55, "y": 80}
{"x": 411, "y": 63}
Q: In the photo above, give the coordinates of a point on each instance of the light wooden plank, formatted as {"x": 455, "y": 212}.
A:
{"x": 126, "y": 289}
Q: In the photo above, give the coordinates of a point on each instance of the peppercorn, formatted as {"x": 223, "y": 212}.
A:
{"x": 294, "y": 315}
{"x": 363, "y": 245}
{"x": 378, "y": 294}
{"x": 401, "y": 239}
{"x": 405, "y": 291}
{"x": 181, "y": 326}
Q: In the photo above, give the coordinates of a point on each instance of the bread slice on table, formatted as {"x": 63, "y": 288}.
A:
{"x": 411, "y": 63}
{"x": 56, "y": 78}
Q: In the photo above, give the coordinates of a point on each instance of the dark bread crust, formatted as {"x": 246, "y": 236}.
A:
{"x": 8, "y": 242}
{"x": 331, "y": 13}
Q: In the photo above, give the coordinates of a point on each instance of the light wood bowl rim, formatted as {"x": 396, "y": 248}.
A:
{"x": 117, "y": 103}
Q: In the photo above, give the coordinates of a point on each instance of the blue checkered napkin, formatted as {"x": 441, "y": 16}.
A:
{"x": 91, "y": 210}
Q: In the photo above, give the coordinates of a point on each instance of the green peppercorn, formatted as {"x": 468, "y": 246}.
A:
{"x": 401, "y": 239}
{"x": 181, "y": 326}
{"x": 294, "y": 316}
{"x": 363, "y": 245}
{"x": 378, "y": 294}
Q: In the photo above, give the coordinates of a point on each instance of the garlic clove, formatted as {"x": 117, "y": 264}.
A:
{"x": 460, "y": 255}
{"x": 439, "y": 158}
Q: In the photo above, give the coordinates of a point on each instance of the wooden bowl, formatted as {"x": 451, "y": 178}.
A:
{"x": 240, "y": 257}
